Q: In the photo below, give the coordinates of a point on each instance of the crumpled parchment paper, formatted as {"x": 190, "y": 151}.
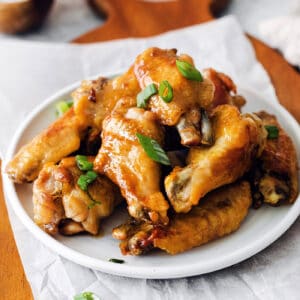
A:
{"x": 32, "y": 71}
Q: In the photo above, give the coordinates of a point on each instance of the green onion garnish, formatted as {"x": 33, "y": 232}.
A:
{"x": 86, "y": 296}
{"x": 93, "y": 202}
{"x": 165, "y": 91}
{"x": 188, "y": 71}
{"x": 62, "y": 107}
{"x": 83, "y": 164}
{"x": 117, "y": 261}
{"x": 145, "y": 94}
{"x": 153, "y": 149}
{"x": 85, "y": 179}
{"x": 273, "y": 131}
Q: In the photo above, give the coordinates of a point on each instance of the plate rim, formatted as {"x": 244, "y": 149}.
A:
{"x": 148, "y": 272}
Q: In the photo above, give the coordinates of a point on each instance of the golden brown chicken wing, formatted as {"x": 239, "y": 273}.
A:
{"x": 93, "y": 100}
{"x": 60, "y": 204}
{"x": 238, "y": 140}
{"x": 225, "y": 91}
{"x": 57, "y": 141}
{"x": 155, "y": 65}
{"x": 274, "y": 177}
{"x": 125, "y": 162}
{"x": 220, "y": 213}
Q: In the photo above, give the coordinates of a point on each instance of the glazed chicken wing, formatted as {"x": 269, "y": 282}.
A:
{"x": 220, "y": 213}
{"x": 225, "y": 91}
{"x": 125, "y": 162}
{"x": 57, "y": 141}
{"x": 274, "y": 176}
{"x": 238, "y": 140}
{"x": 93, "y": 100}
{"x": 60, "y": 204}
{"x": 155, "y": 65}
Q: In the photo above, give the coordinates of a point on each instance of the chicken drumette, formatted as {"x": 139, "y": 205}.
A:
{"x": 238, "y": 141}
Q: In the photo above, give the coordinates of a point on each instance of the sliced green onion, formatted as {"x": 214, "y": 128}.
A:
{"x": 62, "y": 107}
{"x": 165, "y": 91}
{"x": 145, "y": 94}
{"x": 116, "y": 260}
{"x": 85, "y": 179}
{"x": 188, "y": 71}
{"x": 273, "y": 131}
{"x": 86, "y": 296}
{"x": 83, "y": 164}
{"x": 153, "y": 149}
{"x": 93, "y": 202}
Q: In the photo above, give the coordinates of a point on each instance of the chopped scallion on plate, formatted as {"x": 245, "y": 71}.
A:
{"x": 116, "y": 260}
{"x": 145, "y": 94}
{"x": 85, "y": 179}
{"x": 83, "y": 164}
{"x": 273, "y": 131}
{"x": 153, "y": 149}
{"x": 86, "y": 296}
{"x": 62, "y": 107}
{"x": 188, "y": 71}
{"x": 165, "y": 91}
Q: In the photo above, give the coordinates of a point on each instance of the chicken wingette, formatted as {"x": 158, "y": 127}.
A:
{"x": 93, "y": 100}
{"x": 59, "y": 204}
{"x": 123, "y": 159}
{"x": 220, "y": 213}
{"x": 238, "y": 141}
{"x": 274, "y": 177}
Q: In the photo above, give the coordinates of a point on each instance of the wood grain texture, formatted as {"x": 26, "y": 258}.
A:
{"x": 13, "y": 283}
{"x": 135, "y": 18}
{"x": 285, "y": 79}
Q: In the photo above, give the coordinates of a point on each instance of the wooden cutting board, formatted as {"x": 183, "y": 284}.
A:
{"x": 135, "y": 18}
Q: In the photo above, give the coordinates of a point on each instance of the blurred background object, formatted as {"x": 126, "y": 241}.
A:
{"x": 275, "y": 22}
{"x": 22, "y": 15}
{"x": 283, "y": 32}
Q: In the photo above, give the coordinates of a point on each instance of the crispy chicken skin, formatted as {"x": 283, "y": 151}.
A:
{"x": 93, "y": 100}
{"x": 238, "y": 140}
{"x": 220, "y": 213}
{"x": 60, "y": 205}
{"x": 60, "y": 139}
{"x": 155, "y": 65}
{"x": 125, "y": 162}
{"x": 225, "y": 91}
{"x": 276, "y": 173}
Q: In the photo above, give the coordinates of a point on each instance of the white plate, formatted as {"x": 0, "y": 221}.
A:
{"x": 261, "y": 227}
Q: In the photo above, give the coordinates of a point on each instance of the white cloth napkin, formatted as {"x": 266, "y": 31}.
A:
{"x": 283, "y": 33}
{"x": 30, "y": 72}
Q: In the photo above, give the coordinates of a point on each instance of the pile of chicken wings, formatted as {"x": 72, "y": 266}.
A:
{"x": 169, "y": 140}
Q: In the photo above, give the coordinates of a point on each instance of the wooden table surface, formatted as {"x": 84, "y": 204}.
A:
{"x": 122, "y": 23}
